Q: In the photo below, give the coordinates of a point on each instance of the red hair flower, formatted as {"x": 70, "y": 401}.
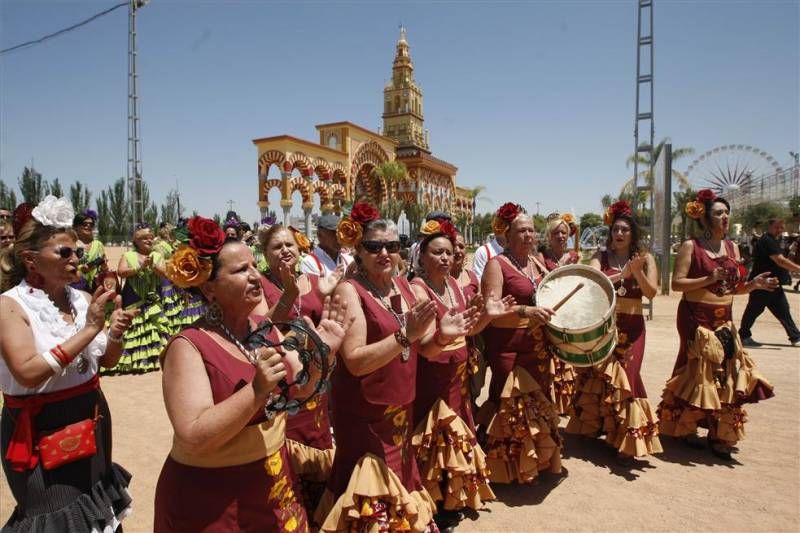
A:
{"x": 448, "y": 229}
{"x": 617, "y": 209}
{"x": 206, "y": 236}
{"x": 508, "y": 212}
{"x": 364, "y": 213}
{"x": 706, "y": 195}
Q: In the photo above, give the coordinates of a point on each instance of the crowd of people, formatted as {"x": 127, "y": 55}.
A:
{"x": 247, "y": 325}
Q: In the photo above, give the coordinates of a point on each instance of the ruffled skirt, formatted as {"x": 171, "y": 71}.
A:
{"x": 375, "y": 500}
{"x": 604, "y": 404}
{"x": 712, "y": 386}
{"x": 143, "y": 342}
{"x": 451, "y": 463}
{"x": 563, "y": 388}
{"x": 522, "y": 435}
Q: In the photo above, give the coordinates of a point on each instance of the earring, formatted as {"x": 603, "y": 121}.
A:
{"x": 707, "y": 235}
{"x": 214, "y": 314}
{"x": 35, "y": 280}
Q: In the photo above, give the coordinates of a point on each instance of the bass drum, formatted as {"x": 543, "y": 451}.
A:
{"x": 583, "y": 332}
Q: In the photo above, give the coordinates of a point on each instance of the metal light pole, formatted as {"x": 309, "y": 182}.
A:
{"x": 134, "y": 175}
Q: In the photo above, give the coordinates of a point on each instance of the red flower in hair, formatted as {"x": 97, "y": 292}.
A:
{"x": 508, "y": 212}
{"x": 621, "y": 207}
{"x": 446, "y": 227}
{"x": 206, "y": 235}
{"x": 22, "y": 213}
{"x": 364, "y": 213}
{"x": 706, "y": 195}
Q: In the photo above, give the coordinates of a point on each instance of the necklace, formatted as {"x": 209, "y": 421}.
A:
{"x": 530, "y": 277}
{"x": 621, "y": 290}
{"x": 447, "y": 292}
{"x": 83, "y": 361}
{"x": 297, "y": 305}
{"x": 718, "y": 253}
{"x": 231, "y": 337}
{"x": 405, "y": 354}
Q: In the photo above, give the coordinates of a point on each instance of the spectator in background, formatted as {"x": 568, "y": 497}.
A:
{"x": 491, "y": 249}
{"x": 6, "y": 235}
{"x": 767, "y": 257}
{"x": 328, "y": 254}
{"x": 93, "y": 262}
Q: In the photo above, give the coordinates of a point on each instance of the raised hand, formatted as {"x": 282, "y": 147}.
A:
{"x": 270, "y": 369}
{"x": 418, "y": 318}
{"x": 334, "y": 323}
{"x": 287, "y": 278}
{"x": 329, "y": 281}
{"x": 453, "y": 325}
{"x": 96, "y": 314}
{"x": 637, "y": 263}
{"x": 497, "y": 307}
{"x": 120, "y": 319}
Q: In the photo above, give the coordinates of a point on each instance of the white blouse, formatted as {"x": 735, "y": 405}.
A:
{"x": 49, "y": 329}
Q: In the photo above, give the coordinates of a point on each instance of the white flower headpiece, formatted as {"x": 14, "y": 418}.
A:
{"x": 56, "y": 212}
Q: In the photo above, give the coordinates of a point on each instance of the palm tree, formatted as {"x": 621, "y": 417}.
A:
{"x": 606, "y": 201}
{"x": 644, "y": 161}
{"x": 392, "y": 173}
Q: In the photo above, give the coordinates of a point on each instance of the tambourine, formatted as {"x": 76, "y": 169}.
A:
{"x": 310, "y": 349}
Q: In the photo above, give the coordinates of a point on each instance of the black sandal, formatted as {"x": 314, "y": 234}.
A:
{"x": 721, "y": 450}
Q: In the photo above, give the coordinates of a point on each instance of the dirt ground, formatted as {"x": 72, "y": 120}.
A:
{"x": 680, "y": 490}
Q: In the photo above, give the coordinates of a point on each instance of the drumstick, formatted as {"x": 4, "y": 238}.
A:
{"x": 578, "y": 287}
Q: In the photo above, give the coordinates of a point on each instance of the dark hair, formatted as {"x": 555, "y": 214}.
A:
{"x": 708, "y": 204}
{"x": 80, "y": 218}
{"x": 423, "y": 246}
{"x": 636, "y": 233}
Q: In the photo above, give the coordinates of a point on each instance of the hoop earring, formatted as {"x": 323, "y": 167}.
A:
{"x": 707, "y": 235}
{"x": 214, "y": 314}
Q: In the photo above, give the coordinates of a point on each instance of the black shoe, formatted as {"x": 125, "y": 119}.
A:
{"x": 446, "y": 521}
{"x": 720, "y": 450}
{"x": 749, "y": 342}
{"x": 693, "y": 441}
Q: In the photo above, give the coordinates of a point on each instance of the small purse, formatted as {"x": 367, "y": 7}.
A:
{"x": 68, "y": 444}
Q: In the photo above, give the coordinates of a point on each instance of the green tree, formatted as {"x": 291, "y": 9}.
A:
{"x": 590, "y": 220}
{"x": 170, "y": 212}
{"x": 794, "y": 206}
{"x": 56, "y": 189}
{"x": 80, "y": 196}
{"x": 757, "y": 215}
{"x": 680, "y": 199}
{"x": 103, "y": 218}
{"x": 392, "y": 173}
{"x": 415, "y": 211}
{"x": 32, "y": 186}
{"x": 606, "y": 201}
{"x": 645, "y": 176}
{"x": 392, "y": 208}
{"x": 8, "y": 198}
{"x": 117, "y": 210}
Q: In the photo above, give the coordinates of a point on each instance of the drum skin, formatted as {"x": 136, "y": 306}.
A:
{"x": 589, "y": 343}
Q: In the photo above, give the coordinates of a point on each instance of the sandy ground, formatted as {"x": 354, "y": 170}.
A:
{"x": 680, "y": 490}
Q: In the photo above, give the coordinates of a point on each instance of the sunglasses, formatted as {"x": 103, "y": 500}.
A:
{"x": 375, "y": 247}
{"x": 65, "y": 252}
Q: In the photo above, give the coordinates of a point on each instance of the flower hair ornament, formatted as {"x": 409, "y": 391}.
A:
{"x": 191, "y": 264}
{"x": 302, "y": 241}
{"x": 504, "y": 216}
{"x": 55, "y": 212}
{"x": 617, "y": 209}
{"x": 350, "y": 229}
{"x": 566, "y": 218}
{"x": 439, "y": 227}
{"x": 697, "y": 208}
{"x": 90, "y": 213}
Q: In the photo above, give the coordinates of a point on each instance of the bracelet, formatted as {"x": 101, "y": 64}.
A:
{"x": 401, "y": 338}
{"x": 61, "y": 355}
{"x": 52, "y": 362}
{"x": 521, "y": 311}
{"x": 111, "y": 338}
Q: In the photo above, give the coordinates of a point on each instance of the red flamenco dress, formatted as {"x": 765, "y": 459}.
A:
{"x": 247, "y": 484}
{"x": 521, "y": 419}
{"x": 611, "y": 398}
{"x": 308, "y": 433}
{"x": 709, "y": 382}
{"x": 375, "y": 483}
{"x": 452, "y": 464}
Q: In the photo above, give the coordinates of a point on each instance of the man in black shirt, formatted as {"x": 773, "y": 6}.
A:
{"x": 767, "y": 257}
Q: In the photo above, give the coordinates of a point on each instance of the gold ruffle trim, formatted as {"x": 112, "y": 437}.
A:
{"x": 605, "y": 405}
{"x": 374, "y": 501}
{"x": 563, "y": 388}
{"x": 445, "y": 450}
{"x": 310, "y": 463}
{"x": 710, "y": 385}
{"x": 522, "y": 437}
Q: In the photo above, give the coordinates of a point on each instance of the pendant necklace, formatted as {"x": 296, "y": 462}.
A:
{"x": 531, "y": 278}
{"x": 83, "y": 362}
{"x": 405, "y": 354}
{"x": 621, "y": 290}
{"x": 447, "y": 293}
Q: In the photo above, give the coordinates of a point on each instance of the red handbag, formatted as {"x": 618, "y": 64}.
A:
{"x": 68, "y": 444}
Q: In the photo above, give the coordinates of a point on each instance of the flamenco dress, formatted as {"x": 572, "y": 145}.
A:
{"x": 522, "y": 422}
{"x": 563, "y": 388}
{"x": 476, "y": 363}
{"x": 611, "y": 398}
{"x": 375, "y": 484}
{"x": 86, "y": 280}
{"x": 245, "y": 485}
{"x": 88, "y": 494}
{"x": 150, "y": 329}
{"x": 451, "y": 462}
{"x": 710, "y": 381}
{"x": 308, "y": 432}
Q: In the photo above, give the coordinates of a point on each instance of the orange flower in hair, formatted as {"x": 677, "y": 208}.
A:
{"x": 695, "y": 210}
{"x": 302, "y": 241}
{"x": 187, "y": 269}
{"x": 499, "y": 226}
{"x": 349, "y": 233}
{"x": 431, "y": 227}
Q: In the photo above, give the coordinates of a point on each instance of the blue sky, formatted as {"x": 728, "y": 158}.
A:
{"x": 535, "y": 100}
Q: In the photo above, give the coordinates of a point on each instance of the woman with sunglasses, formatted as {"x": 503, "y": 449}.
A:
{"x": 375, "y": 483}
{"x": 443, "y": 406}
{"x": 229, "y": 468}
{"x": 555, "y": 255}
{"x": 289, "y": 295}
{"x": 55, "y": 426}
{"x": 520, "y": 419}
{"x": 610, "y": 397}
{"x": 143, "y": 271}
{"x": 93, "y": 262}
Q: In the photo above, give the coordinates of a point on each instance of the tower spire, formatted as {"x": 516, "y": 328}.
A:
{"x": 402, "y": 100}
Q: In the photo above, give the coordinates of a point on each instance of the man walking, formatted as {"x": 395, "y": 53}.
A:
{"x": 767, "y": 257}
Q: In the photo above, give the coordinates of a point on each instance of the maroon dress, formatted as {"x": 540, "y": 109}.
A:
{"x": 551, "y": 263}
{"x": 259, "y": 495}
{"x": 727, "y": 379}
{"x": 611, "y": 399}
{"x": 372, "y": 416}
{"x": 521, "y": 419}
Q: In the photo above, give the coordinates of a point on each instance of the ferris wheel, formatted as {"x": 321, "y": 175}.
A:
{"x": 732, "y": 168}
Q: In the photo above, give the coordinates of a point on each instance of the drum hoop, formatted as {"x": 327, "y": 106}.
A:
{"x": 594, "y": 275}
{"x": 605, "y": 351}
{"x": 586, "y": 334}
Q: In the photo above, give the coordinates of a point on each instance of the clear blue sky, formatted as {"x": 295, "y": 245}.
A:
{"x": 533, "y": 99}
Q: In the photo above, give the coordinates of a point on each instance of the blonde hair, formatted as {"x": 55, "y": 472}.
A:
{"x": 554, "y": 224}
{"x": 31, "y": 238}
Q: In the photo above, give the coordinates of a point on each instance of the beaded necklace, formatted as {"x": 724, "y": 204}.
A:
{"x": 529, "y": 277}
{"x": 405, "y": 354}
{"x": 447, "y": 292}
